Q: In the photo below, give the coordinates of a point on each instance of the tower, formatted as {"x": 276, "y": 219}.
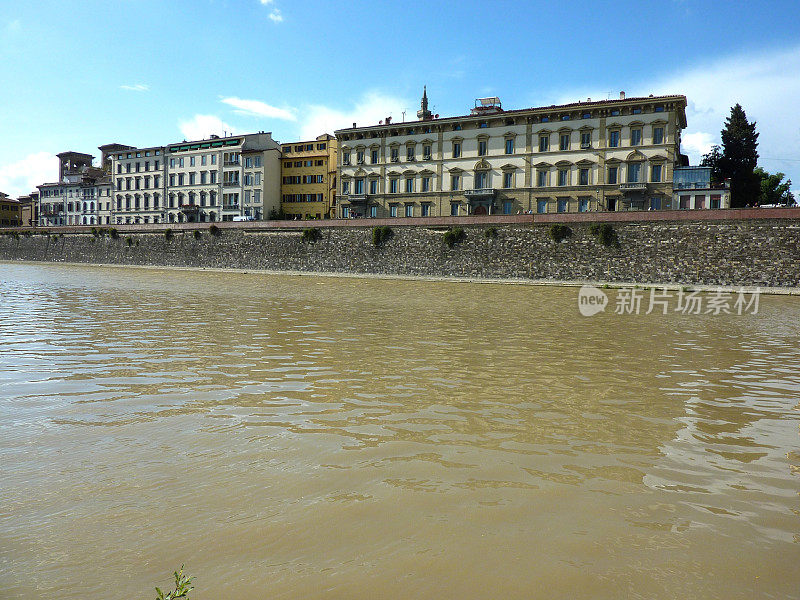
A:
{"x": 423, "y": 114}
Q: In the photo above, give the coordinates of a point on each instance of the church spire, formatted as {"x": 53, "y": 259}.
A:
{"x": 423, "y": 114}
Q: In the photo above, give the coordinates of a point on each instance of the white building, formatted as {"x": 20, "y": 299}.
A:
{"x": 201, "y": 181}
{"x": 80, "y": 196}
{"x": 606, "y": 155}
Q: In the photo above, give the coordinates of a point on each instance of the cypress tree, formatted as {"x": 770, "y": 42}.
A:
{"x": 740, "y": 157}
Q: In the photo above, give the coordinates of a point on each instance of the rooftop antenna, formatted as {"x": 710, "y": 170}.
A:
{"x": 404, "y": 116}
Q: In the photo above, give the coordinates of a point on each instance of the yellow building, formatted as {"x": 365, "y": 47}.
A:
{"x": 308, "y": 178}
{"x": 10, "y": 212}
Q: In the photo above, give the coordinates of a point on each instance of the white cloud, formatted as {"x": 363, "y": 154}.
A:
{"x": 266, "y": 2}
{"x": 276, "y": 16}
{"x": 22, "y": 177}
{"x": 697, "y": 144}
{"x": 203, "y": 126}
{"x": 256, "y": 108}
{"x": 138, "y": 87}
{"x": 373, "y": 107}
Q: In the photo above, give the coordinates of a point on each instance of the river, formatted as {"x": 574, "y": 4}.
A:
{"x": 320, "y": 437}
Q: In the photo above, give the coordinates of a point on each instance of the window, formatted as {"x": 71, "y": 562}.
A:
{"x": 544, "y": 143}
{"x": 659, "y": 109}
{"x": 562, "y": 205}
{"x": 637, "y": 111}
{"x": 373, "y": 157}
{"x": 509, "y": 145}
{"x": 180, "y": 178}
{"x": 203, "y": 160}
{"x": 180, "y": 162}
{"x": 455, "y": 182}
{"x": 213, "y": 159}
{"x": 373, "y": 211}
{"x": 541, "y": 206}
{"x": 612, "y": 175}
{"x": 191, "y": 178}
{"x": 456, "y": 149}
{"x": 393, "y": 185}
{"x": 482, "y": 144}
{"x": 345, "y": 187}
{"x": 613, "y": 139}
{"x": 393, "y": 210}
{"x": 409, "y": 210}
{"x": 373, "y": 186}
{"x": 410, "y": 153}
{"x": 360, "y": 157}
{"x": 191, "y": 161}
{"x": 716, "y": 200}
{"x": 395, "y": 155}
{"x": 483, "y": 125}
{"x": 655, "y": 173}
{"x": 563, "y": 141}
{"x": 700, "y": 201}
{"x": 248, "y": 162}
{"x": 633, "y": 172}
{"x": 481, "y": 180}
{"x": 541, "y": 178}
{"x": 583, "y": 176}
{"x": 345, "y": 158}
{"x": 409, "y": 185}
{"x": 684, "y": 202}
{"x": 321, "y": 146}
{"x": 426, "y": 152}
{"x": 454, "y": 209}
{"x": 508, "y": 180}
{"x": 426, "y": 184}
{"x": 457, "y": 127}
{"x": 583, "y": 204}
{"x": 658, "y": 135}
{"x": 563, "y": 176}
{"x": 508, "y": 206}
{"x": 212, "y": 176}
{"x": 586, "y": 139}
{"x": 655, "y": 203}
{"x": 426, "y": 210}
{"x": 346, "y": 212}
{"x": 636, "y": 137}
{"x": 203, "y": 176}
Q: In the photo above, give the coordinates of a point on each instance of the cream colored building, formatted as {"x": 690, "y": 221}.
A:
{"x": 210, "y": 180}
{"x": 587, "y": 156}
{"x": 308, "y": 178}
{"x": 79, "y": 197}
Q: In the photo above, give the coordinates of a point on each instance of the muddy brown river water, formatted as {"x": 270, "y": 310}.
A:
{"x": 317, "y": 437}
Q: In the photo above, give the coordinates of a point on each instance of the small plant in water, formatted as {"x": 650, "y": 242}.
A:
{"x": 183, "y": 585}
{"x": 381, "y": 234}
{"x": 559, "y": 232}
{"x": 311, "y": 234}
{"x": 453, "y": 236}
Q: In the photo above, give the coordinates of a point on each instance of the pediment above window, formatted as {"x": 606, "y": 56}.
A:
{"x": 482, "y": 165}
{"x": 509, "y": 167}
{"x": 635, "y": 155}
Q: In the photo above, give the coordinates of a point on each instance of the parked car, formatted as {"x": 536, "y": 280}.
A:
{"x": 243, "y": 218}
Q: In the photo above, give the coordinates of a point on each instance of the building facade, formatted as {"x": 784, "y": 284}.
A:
{"x": 692, "y": 190}
{"x": 609, "y": 155}
{"x": 78, "y": 195}
{"x": 308, "y": 178}
{"x": 10, "y": 212}
{"x": 211, "y": 180}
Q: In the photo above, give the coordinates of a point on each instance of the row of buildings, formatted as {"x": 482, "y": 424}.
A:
{"x": 610, "y": 155}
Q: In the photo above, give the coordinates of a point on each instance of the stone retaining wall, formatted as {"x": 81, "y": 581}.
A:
{"x": 762, "y": 253}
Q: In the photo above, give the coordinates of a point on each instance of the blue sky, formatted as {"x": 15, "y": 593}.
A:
{"x": 77, "y": 75}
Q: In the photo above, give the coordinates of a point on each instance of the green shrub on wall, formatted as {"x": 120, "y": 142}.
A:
{"x": 114, "y": 234}
{"x": 381, "y": 234}
{"x": 197, "y": 234}
{"x": 129, "y": 241}
{"x": 605, "y": 234}
{"x": 559, "y": 232}
{"x": 215, "y": 231}
{"x": 168, "y": 234}
{"x": 453, "y": 236}
{"x": 490, "y": 233}
{"x": 311, "y": 234}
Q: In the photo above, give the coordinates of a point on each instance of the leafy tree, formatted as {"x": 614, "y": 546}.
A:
{"x": 712, "y": 159}
{"x": 740, "y": 157}
{"x": 773, "y": 189}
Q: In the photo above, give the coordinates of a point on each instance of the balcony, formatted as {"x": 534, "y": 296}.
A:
{"x": 230, "y": 207}
{"x": 231, "y": 163}
{"x": 479, "y": 193}
{"x": 230, "y": 184}
{"x": 189, "y": 208}
{"x": 355, "y": 198}
{"x": 632, "y": 187}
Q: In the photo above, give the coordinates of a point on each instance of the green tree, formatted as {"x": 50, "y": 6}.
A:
{"x": 740, "y": 157}
{"x": 773, "y": 189}
{"x": 712, "y": 159}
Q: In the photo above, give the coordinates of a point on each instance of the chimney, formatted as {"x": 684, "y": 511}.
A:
{"x": 354, "y": 125}
{"x": 388, "y": 120}
{"x": 622, "y": 95}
